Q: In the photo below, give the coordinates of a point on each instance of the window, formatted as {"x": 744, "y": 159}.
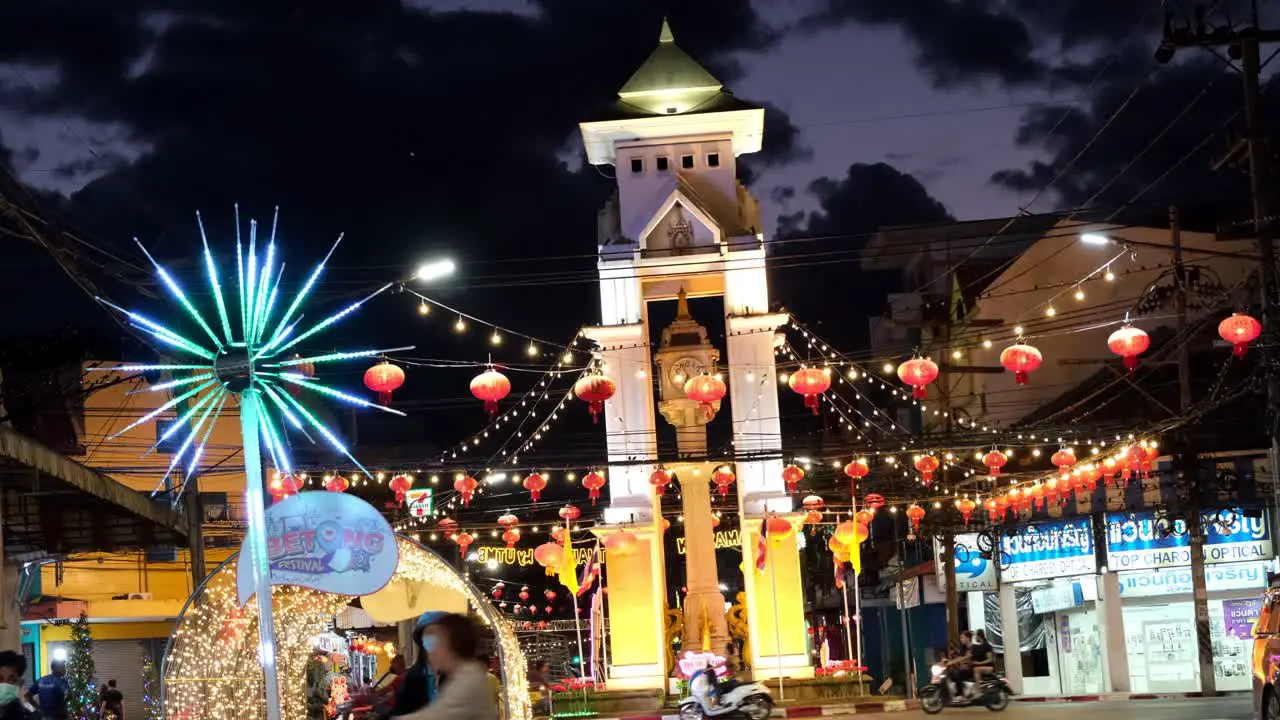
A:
{"x": 637, "y": 165}
{"x": 662, "y": 164}
{"x": 713, "y": 160}
{"x": 686, "y": 162}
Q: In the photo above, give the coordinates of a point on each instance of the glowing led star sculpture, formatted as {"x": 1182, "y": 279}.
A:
{"x": 250, "y": 360}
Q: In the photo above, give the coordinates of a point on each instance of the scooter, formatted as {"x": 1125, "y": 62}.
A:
{"x": 737, "y": 700}
{"x": 992, "y": 693}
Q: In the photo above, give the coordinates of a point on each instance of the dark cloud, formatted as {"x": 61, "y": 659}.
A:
{"x": 1084, "y": 22}
{"x": 957, "y": 42}
{"x": 1102, "y": 169}
{"x": 866, "y": 199}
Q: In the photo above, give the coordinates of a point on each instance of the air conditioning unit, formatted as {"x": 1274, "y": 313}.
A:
{"x": 139, "y": 596}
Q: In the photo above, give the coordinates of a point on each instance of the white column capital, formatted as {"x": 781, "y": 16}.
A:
{"x": 756, "y": 323}
{"x": 606, "y": 335}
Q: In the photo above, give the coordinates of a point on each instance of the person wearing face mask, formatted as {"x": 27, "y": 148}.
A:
{"x": 419, "y": 684}
{"x": 455, "y": 644}
{"x": 12, "y": 706}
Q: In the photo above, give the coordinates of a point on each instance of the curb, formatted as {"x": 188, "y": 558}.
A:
{"x": 1120, "y": 697}
{"x": 812, "y": 711}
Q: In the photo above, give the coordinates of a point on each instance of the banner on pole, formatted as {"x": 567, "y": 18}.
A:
{"x": 326, "y": 541}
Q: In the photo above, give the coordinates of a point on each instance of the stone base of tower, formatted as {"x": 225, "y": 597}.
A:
{"x": 637, "y": 611}
{"x": 778, "y": 637}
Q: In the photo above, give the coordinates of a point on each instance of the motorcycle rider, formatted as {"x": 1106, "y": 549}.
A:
{"x": 959, "y": 667}
{"x": 981, "y": 657}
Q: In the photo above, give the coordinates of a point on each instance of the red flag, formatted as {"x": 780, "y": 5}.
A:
{"x": 762, "y": 545}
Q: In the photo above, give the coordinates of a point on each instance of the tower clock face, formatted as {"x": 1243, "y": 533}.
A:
{"x": 685, "y": 368}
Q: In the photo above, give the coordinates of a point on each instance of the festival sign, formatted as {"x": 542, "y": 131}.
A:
{"x": 328, "y": 541}
{"x": 1142, "y": 541}
{"x": 1047, "y": 550}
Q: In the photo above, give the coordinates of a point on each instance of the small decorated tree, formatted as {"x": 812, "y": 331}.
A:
{"x": 81, "y": 699}
{"x": 150, "y": 689}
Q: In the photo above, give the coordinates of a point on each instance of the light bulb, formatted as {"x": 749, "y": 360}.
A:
{"x": 495, "y": 338}
{"x": 1079, "y": 294}
{"x": 424, "y": 308}
{"x": 1109, "y": 276}
{"x": 460, "y": 325}
{"x": 1050, "y": 312}
{"x": 986, "y": 344}
{"x": 532, "y": 350}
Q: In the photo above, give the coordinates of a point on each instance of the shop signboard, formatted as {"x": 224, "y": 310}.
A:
{"x": 327, "y": 541}
{"x": 1047, "y": 550}
{"x": 1239, "y": 617}
{"x": 1138, "y": 541}
{"x": 974, "y": 573}
{"x": 1063, "y": 595}
{"x": 1176, "y": 581}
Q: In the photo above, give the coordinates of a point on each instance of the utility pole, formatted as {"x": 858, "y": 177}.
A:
{"x": 1245, "y": 45}
{"x": 1188, "y": 464}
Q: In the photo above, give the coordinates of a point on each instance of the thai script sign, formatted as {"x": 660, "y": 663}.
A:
{"x": 1048, "y": 549}
{"x": 1239, "y": 617}
{"x": 1232, "y": 576}
{"x": 327, "y": 541}
{"x": 1142, "y": 541}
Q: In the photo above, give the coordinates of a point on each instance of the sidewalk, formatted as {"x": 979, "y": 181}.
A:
{"x": 870, "y": 707}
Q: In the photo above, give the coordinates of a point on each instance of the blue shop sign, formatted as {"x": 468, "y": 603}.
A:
{"x": 1141, "y": 541}
{"x": 1048, "y": 549}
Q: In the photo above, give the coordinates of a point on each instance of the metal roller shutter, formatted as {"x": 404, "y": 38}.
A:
{"x": 120, "y": 660}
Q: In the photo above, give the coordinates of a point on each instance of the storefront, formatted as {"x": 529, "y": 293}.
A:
{"x": 1152, "y": 558}
{"x": 1050, "y": 594}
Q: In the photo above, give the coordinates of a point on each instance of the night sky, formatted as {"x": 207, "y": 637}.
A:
{"x": 449, "y": 127}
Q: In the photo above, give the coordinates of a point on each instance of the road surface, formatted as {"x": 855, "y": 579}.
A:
{"x": 1233, "y": 707}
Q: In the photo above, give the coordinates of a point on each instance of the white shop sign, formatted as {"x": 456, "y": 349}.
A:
{"x": 1176, "y": 581}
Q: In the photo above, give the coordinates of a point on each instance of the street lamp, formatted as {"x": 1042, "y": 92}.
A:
{"x": 435, "y": 270}
{"x": 1094, "y": 239}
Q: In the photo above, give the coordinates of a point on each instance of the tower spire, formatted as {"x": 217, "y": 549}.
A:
{"x": 666, "y": 36}
{"x": 682, "y": 305}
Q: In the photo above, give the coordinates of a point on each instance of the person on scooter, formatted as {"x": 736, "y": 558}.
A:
{"x": 981, "y": 658}
{"x": 959, "y": 666}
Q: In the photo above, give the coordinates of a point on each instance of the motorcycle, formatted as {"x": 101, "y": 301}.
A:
{"x": 992, "y": 693}
{"x": 737, "y": 700}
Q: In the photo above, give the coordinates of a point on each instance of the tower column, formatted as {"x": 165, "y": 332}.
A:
{"x": 705, "y": 627}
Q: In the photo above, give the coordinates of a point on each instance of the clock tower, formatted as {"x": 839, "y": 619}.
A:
{"x": 683, "y": 354}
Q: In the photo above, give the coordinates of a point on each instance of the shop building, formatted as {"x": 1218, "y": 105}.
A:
{"x": 1106, "y": 606}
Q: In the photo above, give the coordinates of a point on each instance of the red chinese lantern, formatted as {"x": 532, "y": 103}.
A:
{"x": 780, "y": 528}
{"x": 813, "y": 502}
{"x": 791, "y": 476}
{"x": 918, "y": 373}
{"x": 621, "y": 544}
{"x": 497, "y": 591}
{"x": 660, "y": 479}
{"x": 811, "y": 383}
{"x": 965, "y": 506}
{"x": 994, "y": 510}
{"x": 873, "y": 501}
{"x": 1129, "y": 342}
{"x": 813, "y": 517}
{"x": 1037, "y": 495}
{"x": 864, "y": 517}
{"x": 524, "y": 594}
{"x": 400, "y": 484}
{"x": 282, "y": 485}
{"x": 550, "y": 595}
{"x": 464, "y": 540}
{"x": 1021, "y": 360}
{"x": 549, "y": 555}
{"x": 856, "y": 470}
{"x": 1239, "y": 330}
{"x": 915, "y": 514}
{"x": 1002, "y": 507}
{"x": 466, "y": 487}
{"x": 511, "y": 536}
{"x": 337, "y": 483}
{"x": 723, "y": 477}
{"x": 594, "y": 390}
{"x": 926, "y": 464}
{"x": 535, "y": 483}
{"x": 593, "y": 481}
{"x": 1093, "y": 474}
{"x": 490, "y": 386}
{"x": 1063, "y": 460}
{"x": 448, "y": 526}
{"x": 384, "y": 379}
{"x": 995, "y": 460}
{"x": 1134, "y": 459}
{"x": 1053, "y": 490}
{"x": 707, "y": 390}
{"x": 569, "y": 513}
{"x": 1151, "y": 453}
{"x": 547, "y": 610}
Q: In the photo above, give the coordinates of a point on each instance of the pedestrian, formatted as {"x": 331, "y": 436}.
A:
{"x": 454, "y": 643}
{"x": 49, "y": 693}
{"x": 111, "y": 702}
{"x": 420, "y": 683}
{"x": 540, "y": 683}
{"x": 12, "y": 706}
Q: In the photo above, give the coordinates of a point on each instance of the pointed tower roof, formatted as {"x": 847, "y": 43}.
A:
{"x": 668, "y": 72}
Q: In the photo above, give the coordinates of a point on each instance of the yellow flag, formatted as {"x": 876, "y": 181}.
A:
{"x": 855, "y": 557}
{"x": 569, "y": 564}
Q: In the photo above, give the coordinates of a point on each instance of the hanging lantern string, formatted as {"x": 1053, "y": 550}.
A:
{"x": 537, "y": 434}
{"x": 480, "y": 321}
{"x": 1103, "y": 268}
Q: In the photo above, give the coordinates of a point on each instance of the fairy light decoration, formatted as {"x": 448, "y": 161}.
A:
{"x": 249, "y": 363}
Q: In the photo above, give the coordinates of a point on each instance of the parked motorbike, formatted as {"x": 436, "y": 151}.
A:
{"x": 736, "y": 699}
{"x": 992, "y": 693}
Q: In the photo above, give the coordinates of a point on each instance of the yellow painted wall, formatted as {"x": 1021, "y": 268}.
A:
{"x": 99, "y": 577}
{"x": 108, "y": 631}
{"x": 632, "y": 612}
{"x": 111, "y": 409}
{"x": 784, "y": 561}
